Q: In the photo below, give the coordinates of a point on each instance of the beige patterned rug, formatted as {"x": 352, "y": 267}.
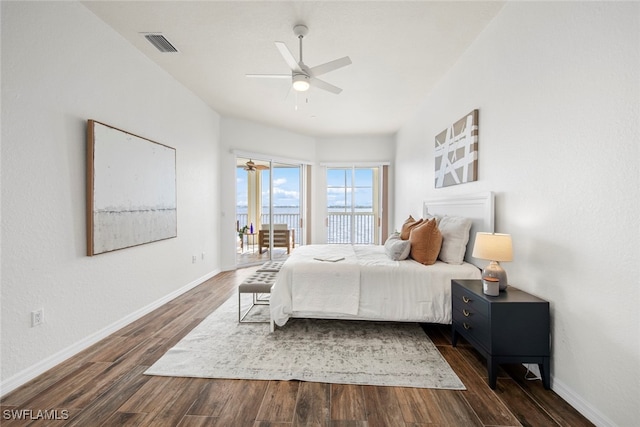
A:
{"x": 327, "y": 351}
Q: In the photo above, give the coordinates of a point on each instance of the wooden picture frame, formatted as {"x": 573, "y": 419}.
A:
{"x": 131, "y": 190}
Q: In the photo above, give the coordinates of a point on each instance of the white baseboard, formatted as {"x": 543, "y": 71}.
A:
{"x": 230, "y": 267}
{"x": 44, "y": 365}
{"x": 573, "y": 399}
{"x": 581, "y": 405}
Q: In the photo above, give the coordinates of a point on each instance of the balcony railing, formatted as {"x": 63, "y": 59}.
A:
{"x": 339, "y": 226}
{"x": 292, "y": 221}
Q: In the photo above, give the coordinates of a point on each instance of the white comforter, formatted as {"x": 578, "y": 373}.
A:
{"x": 365, "y": 285}
{"x": 323, "y": 285}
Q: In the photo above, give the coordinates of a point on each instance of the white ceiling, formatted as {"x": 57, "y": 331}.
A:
{"x": 400, "y": 50}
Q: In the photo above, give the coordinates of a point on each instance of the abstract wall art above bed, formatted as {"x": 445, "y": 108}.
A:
{"x": 456, "y": 152}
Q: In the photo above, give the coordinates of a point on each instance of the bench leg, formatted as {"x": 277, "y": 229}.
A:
{"x": 241, "y": 316}
{"x": 255, "y": 301}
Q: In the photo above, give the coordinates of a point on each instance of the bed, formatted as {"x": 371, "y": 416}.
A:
{"x": 362, "y": 281}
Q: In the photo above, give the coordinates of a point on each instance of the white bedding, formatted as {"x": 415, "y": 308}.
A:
{"x": 387, "y": 290}
{"x": 323, "y": 285}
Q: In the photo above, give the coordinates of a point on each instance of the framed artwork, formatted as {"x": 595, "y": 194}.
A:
{"x": 131, "y": 190}
{"x": 456, "y": 152}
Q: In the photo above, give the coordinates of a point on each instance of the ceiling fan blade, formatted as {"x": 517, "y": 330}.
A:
{"x": 252, "y": 166}
{"x": 319, "y": 70}
{"x": 270, "y": 76}
{"x": 321, "y": 84}
{"x": 288, "y": 56}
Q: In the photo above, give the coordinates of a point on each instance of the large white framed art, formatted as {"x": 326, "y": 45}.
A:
{"x": 131, "y": 190}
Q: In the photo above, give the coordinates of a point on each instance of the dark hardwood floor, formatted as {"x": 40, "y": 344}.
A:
{"x": 105, "y": 385}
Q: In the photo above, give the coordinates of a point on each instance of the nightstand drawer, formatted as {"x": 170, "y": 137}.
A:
{"x": 472, "y": 325}
{"x": 464, "y": 299}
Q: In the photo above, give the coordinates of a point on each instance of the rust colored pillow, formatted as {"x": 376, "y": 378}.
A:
{"x": 426, "y": 241}
{"x": 408, "y": 225}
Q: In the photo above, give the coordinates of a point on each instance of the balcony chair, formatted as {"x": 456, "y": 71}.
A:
{"x": 282, "y": 237}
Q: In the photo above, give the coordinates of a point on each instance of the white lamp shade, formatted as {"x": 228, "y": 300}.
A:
{"x": 493, "y": 247}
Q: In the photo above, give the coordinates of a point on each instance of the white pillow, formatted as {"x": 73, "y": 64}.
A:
{"x": 455, "y": 236}
{"x": 396, "y": 248}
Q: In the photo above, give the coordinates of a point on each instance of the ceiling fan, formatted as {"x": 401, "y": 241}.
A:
{"x": 302, "y": 76}
{"x": 251, "y": 166}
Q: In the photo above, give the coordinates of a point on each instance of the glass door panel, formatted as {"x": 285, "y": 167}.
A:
{"x": 339, "y": 205}
{"x": 283, "y": 208}
{"x": 352, "y": 205}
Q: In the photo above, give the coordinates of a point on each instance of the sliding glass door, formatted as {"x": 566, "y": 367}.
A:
{"x": 354, "y": 205}
{"x": 269, "y": 211}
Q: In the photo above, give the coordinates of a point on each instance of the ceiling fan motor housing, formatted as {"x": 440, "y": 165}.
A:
{"x": 300, "y": 30}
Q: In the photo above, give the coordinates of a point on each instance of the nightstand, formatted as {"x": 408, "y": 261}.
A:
{"x": 512, "y": 327}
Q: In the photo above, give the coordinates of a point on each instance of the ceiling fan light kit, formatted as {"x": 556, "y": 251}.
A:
{"x": 300, "y": 82}
{"x": 303, "y": 77}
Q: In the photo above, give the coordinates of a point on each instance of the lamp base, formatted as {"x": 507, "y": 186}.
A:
{"x": 495, "y": 270}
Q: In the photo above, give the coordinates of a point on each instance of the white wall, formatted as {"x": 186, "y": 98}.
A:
{"x": 557, "y": 86}
{"x": 61, "y": 65}
{"x": 358, "y": 148}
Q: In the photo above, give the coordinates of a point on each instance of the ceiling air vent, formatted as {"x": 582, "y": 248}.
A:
{"x": 160, "y": 42}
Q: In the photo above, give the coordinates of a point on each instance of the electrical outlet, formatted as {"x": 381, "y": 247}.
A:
{"x": 37, "y": 317}
{"x": 194, "y": 259}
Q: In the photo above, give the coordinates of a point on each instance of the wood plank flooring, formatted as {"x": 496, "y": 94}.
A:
{"x": 105, "y": 386}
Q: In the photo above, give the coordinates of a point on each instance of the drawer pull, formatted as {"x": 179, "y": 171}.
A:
{"x": 465, "y": 299}
{"x": 466, "y": 326}
{"x": 466, "y": 313}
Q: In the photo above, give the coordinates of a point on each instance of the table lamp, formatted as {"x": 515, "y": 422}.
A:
{"x": 494, "y": 247}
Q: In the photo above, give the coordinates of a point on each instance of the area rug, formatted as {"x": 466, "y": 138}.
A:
{"x": 327, "y": 351}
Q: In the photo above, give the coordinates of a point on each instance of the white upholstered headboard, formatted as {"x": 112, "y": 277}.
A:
{"x": 478, "y": 207}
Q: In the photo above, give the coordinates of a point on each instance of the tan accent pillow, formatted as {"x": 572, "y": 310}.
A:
{"x": 425, "y": 242}
{"x": 408, "y": 225}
